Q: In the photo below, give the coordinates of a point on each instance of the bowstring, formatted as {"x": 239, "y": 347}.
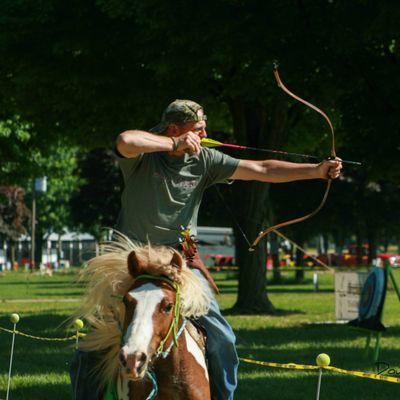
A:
{"x": 230, "y": 211}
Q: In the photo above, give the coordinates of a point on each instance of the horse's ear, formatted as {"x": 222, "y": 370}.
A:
{"x": 177, "y": 260}
{"x": 135, "y": 265}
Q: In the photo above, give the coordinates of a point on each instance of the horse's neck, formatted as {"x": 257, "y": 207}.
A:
{"x": 183, "y": 373}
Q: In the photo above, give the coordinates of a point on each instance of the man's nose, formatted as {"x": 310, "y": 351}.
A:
{"x": 203, "y": 134}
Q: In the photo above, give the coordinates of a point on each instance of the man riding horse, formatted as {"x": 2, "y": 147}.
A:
{"x": 166, "y": 172}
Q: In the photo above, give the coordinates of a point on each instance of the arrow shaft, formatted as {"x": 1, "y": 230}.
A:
{"x": 240, "y": 147}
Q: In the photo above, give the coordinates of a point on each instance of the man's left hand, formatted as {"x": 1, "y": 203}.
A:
{"x": 330, "y": 169}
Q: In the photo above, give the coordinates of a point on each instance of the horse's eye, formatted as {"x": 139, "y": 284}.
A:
{"x": 127, "y": 301}
{"x": 168, "y": 308}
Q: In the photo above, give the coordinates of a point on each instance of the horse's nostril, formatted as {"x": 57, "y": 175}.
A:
{"x": 141, "y": 360}
{"x": 134, "y": 361}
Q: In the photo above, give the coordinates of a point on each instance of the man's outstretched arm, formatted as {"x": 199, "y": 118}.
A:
{"x": 276, "y": 171}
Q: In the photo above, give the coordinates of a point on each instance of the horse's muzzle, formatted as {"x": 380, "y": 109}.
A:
{"x": 135, "y": 364}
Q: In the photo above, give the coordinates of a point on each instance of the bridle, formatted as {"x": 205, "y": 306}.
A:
{"x": 173, "y": 329}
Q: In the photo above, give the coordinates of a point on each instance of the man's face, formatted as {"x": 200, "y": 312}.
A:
{"x": 196, "y": 127}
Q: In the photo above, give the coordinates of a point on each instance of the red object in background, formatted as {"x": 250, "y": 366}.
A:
{"x": 349, "y": 258}
{"x": 221, "y": 259}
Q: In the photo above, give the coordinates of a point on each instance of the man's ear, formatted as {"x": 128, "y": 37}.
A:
{"x": 172, "y": 130}
{"x": 177, "y": 260}
{"x": 135, "y": 265}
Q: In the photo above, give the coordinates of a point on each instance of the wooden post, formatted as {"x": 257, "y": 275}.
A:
{"x": 33, "y": 227}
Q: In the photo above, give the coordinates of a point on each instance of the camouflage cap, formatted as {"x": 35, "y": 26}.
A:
{"x": 180, "y": 112}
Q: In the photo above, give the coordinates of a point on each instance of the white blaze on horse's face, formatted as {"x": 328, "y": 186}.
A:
{"x": 135, "y": 352}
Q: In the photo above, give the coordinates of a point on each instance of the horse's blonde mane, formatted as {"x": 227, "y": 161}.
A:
{"x": 108, "y": 280}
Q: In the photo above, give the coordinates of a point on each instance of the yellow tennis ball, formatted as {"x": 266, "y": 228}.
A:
{"x": 14, "y": 318}
{"x": 323, "y": 360}
{"x": 78, "y": 324}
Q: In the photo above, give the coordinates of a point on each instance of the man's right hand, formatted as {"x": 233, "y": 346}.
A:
{"x": 189, "y": 143}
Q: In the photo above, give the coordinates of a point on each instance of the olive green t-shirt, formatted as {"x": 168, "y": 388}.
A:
{"x": 163, "y": 193}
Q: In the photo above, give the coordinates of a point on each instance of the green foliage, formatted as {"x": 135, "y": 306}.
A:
{"x": 14, "y": 149}
{"x": 53, "y": 206}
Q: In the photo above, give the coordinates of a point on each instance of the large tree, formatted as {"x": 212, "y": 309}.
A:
{"x": 90, "y": 69}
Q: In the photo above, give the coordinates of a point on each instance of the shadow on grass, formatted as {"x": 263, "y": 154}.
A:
{"x": 299, "y": 344}
{"x": 66, "y": 293}
{"x": 233, "y": 290}
{"x": 276, "y": 385}
{"x": 55, "y": 285}
{"x": 229, "y": 288}
{"x": 37, "y": 280}
{"x": 277, "y": 313}
{"x": 44, "y": 391}
{"x": 33, "y": 356}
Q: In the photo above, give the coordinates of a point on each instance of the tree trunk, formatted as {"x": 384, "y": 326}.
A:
{"x": 300, "y": 261}
{"x": 38, "y": 245}
{"x": 250, "y": 125}
{"x": 360, "y": 216}
{"x": 339, "y": 241}
{"x": 252, "y": 294}
{"x": 12, "y": 253}
{"x": 385, "y": 246}
{"x": 372, "y": 245}
{"x": 359, "y": 249}
{"x": 320, "y": 245}
{"x": 325, "y": 243}
{"x": 59, "y": 249}
{"x": 274, "y": 243}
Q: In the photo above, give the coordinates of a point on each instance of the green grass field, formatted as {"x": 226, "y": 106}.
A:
{"x": 40, "y": 369}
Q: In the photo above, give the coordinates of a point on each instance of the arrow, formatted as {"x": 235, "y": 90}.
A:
{"x": 207, "y": 142}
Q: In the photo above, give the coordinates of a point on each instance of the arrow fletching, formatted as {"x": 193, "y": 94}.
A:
{"x": 207, "y": 142}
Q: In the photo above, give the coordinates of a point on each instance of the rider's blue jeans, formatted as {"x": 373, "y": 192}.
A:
{"x": 221, "y": 352}
{"x": 223, "y": 361}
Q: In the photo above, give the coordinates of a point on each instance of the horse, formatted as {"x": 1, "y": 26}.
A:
{"x": 139, "y": 302}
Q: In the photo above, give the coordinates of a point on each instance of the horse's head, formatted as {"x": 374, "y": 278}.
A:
{"x": 150, "y": 311}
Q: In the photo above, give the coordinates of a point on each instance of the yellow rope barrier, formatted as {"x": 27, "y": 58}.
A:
{"x": 359, "y": 374}
{"x": 314, "y": 367}
{"x": 45, "y": 339}
{"x": 277, "y": 365}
